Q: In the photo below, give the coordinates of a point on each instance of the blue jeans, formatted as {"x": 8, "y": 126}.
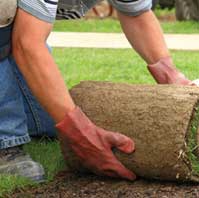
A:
{"x": 21, "y": 116}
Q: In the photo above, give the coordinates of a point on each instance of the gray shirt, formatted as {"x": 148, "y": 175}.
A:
{"x": 49, "y": 10}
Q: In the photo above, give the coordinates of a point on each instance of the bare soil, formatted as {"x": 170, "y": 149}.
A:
{"x": 68, "y": 185}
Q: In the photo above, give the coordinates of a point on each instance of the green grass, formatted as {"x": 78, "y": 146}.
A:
{"x": 117, "y": 65}
{"x": 192, "y": 141}
{"x": 166, "y": 16}
{"x": 103, "y": 64}
{"x": 164, "y": 12}
{"x": 181, "y": 27}
{"x": 45, "y": 151}
{"x": 9, "y": 183}
{"x": 88, "y": 25}
{"x": 113, "y": 25}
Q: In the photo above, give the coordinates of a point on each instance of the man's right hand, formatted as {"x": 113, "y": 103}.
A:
{"x": 93, "y": 145}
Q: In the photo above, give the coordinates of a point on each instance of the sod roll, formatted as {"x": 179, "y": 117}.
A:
{"x": 163, "y": 121}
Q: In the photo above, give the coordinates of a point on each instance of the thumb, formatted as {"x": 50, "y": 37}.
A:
{"x": 121, "y": 142}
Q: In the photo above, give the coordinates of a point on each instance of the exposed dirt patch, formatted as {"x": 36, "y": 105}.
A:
{"x": 68, "y": 185}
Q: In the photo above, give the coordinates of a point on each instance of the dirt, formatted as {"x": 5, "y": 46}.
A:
{"x": 68, "y": 185}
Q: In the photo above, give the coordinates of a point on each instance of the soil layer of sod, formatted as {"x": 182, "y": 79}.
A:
{"x": 163, "y": 121}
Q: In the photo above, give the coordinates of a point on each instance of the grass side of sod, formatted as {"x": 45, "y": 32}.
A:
{"x": 192, "y": 141}
{"x": 116, "y": 65}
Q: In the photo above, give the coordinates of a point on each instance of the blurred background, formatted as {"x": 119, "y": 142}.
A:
{"x": 175, "y": 16}
{"x": 177, "y": 9}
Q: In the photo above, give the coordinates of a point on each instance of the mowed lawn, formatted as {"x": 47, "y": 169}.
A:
{"x": 167, "y": 21}
{"x": 118, "y": 65}
{"x": 113, "y": 25}
{"x": 166, "y": 16}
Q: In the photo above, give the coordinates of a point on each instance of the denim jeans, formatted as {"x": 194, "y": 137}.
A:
{"x": 21, "y": 116}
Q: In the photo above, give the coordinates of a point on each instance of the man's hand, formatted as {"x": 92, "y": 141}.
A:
{"x": 146, "y": 36}
{"x": 165, "y": 72}
{"x": 93, "y": 145}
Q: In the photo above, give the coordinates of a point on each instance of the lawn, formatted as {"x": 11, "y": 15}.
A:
{"x": 112, "y": 25}
{"x": 94, "y": 64}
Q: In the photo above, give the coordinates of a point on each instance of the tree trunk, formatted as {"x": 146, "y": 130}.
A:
{"x": 161, "y": 119}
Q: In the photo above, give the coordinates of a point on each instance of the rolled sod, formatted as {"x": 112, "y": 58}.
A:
{"x": 162, "y": 120}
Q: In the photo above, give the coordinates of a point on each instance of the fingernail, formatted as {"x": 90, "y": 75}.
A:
{"x": 130, "y": 146}
{"x": 132, "y": 177}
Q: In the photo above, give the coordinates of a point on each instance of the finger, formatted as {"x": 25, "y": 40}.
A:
{"x": 118, "y": 170}
{"x": 126, "y": 174}
{"x": 121, "y": 142}
{"x": 123, "y": 172}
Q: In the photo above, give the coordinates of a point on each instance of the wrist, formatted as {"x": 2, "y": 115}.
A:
{"x": 165, "y": 72}
{"x": 74, "y": 123}
{"x": 62, "y": 111}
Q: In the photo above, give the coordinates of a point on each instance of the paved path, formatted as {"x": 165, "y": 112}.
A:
{"x": 117, "y": 40}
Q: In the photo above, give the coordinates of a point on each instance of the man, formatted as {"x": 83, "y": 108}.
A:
{"x": 22, "y": 116}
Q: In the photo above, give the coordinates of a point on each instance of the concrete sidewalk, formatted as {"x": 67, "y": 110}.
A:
{"x": 117, "y": 40}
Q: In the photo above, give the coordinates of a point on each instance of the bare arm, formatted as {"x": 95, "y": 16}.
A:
{"x": 90, "y": 143}
{"x": 37, "y": 65}
{"x": 145, "y": 35}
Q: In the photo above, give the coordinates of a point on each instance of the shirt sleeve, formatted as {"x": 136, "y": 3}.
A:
{"x": 44, "y": 10}
{"x": 131, "y": 7}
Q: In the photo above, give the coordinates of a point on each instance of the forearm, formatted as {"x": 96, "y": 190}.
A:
{"x": 43, "y": 77}
{"x": 145, "y": 35}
